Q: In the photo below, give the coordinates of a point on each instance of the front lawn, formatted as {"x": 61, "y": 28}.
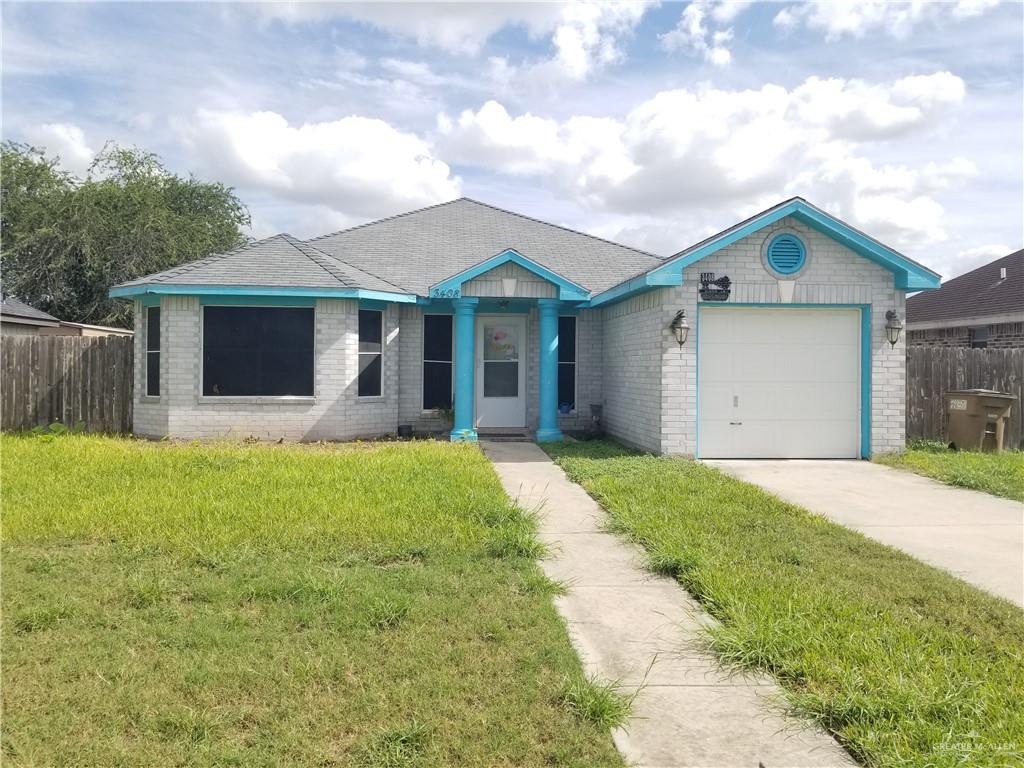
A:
{"x": 374, "y": 605}
{"x": 1001, "y": 474}
{"x": 905, "y": 664}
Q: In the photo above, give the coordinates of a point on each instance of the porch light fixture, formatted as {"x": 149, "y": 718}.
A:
{"x": 680, "y": 328}
{"x": 893, "y": 326}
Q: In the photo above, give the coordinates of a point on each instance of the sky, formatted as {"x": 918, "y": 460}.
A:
{"x": 654, "y": 125}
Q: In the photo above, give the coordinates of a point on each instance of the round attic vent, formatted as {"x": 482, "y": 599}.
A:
{"x": 786, "y": 254}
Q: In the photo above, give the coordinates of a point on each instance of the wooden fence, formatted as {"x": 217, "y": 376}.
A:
{"x": 933, "y": 371}
{"x": 69, "y": 379}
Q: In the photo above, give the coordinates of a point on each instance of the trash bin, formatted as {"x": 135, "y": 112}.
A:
{"x": 977, "y": 418}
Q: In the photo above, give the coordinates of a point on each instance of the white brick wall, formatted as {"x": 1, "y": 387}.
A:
{"x": 834, "y": 275}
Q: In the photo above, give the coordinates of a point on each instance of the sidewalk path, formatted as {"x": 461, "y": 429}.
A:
{"x": 622, "y": 619}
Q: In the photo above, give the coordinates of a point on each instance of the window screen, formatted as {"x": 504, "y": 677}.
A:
{"x": 437, "y": 361}
{"x": 567, "y": 363}
{"x": 371, "y": 347}
{"x": 257, "y": 351}
{"x": 153, "y": 351}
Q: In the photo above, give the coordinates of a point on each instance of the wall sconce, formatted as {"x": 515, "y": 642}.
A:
{"x": 680, "y": 328}
{"x": 893, "y": 326}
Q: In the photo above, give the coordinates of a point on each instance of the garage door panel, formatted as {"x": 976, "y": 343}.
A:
{"x": 784, "y": 383}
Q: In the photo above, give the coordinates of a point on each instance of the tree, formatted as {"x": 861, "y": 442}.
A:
{"x": 65, "y": 241}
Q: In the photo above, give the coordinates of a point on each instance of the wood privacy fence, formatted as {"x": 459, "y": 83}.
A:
{"x": 933, "y": 371}
{"x": 69, "y": 379}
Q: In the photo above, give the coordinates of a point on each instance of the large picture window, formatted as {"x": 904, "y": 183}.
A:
{"x": 153, "y": 351}
{"x": 371, "y": 350}
{"x": 567, "y": 363}
{"x": 437, "y": 361}
{"x": 257, "y": 351}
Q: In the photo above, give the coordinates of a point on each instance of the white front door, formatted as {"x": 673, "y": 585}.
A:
{"x": 501, "y": 371}
{"x": 778, "y": 383}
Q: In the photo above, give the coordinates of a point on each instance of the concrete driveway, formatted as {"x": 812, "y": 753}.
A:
{"x": 973, "y": 535}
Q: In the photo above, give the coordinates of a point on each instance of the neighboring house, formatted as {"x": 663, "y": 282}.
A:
{"x": 523, "y": 326}
{"x": 19, "y": 319}
{"x": 981, "y": 308}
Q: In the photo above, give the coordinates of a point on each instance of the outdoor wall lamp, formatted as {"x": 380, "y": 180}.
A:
{"x": 893, "y": 326}
{"x": 680, "y": 328}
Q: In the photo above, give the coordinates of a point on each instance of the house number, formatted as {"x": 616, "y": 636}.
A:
{"x": 445, "y": 293}
{"x": 957, "y": 405}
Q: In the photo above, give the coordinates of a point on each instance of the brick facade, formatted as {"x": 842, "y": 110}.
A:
{"x": 1000, "y": 336}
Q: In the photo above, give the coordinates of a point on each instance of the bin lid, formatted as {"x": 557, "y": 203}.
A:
{"x": 983, "y": 392}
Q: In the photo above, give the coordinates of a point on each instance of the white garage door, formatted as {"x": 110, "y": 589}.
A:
{"x": 778, "y": 383}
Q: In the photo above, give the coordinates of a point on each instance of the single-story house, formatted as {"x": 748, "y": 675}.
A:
{"x": 768, "y": 339}
{"x": 20, "y": 319}
{"x": 983, "y": 308}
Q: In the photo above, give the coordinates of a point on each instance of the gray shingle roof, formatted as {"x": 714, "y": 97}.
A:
{"x": 977, "y": 293}
{"x": 281, "y": 261}
{"x": 12, "y": 307}
{"x": 418, "y": 249}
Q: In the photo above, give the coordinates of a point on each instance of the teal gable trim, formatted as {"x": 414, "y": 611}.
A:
{"x": 907, "y": 274}
{"x": 254, "y": 292}
{"x": 149, "y": 301}
{"x": 451, "y": 287}
{"x": 865, "y": 365}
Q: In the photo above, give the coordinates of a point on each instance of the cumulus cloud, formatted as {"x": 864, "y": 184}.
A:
{"x": 855, "y": 19}
{"x": 67, "y": 141}
{"x": 685, "y": 151}
{"x": 357, "y": 166}
{"x": 701, "y": 30}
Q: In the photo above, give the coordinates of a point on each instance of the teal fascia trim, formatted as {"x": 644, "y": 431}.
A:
{"x": 452, "y": 287}
{"x": 235, "y": 290}
{"x": 265, "y": 301}
{"x": 149, "y": 301}
{"x": 865, "y": 363}
{"x": 637, "y": 285}
{"x": 373, "y": 304}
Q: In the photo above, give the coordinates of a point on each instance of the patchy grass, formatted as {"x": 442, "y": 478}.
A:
{"x": 375, "y": 605}
{"x": 905, "y": 664}
{"x": 602, "y": 703}
{"x": 1001, "y": 474}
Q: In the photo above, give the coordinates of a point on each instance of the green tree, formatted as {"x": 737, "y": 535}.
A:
{"x": 65, "y": 241}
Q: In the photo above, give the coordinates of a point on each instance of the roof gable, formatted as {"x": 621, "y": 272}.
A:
{"x": 451, "y": 287}
{"x": 15, "y": 309}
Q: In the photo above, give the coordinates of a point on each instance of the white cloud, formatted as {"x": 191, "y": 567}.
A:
{"x": 839, "y": 18}
{"x": 696, "y": 30}
{"x": 972, "y": 258}
{"x": 684, "y": 153}
{"x": 67, "y": 141}
{"x": 357, "y": 166}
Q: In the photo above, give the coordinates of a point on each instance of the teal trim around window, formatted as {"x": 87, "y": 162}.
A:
{"x": 865, "y": 364}
{"x": 373, "y": 304}
{"x": 263, "y": 301}
{"x": 451, "y": 287}
{"x": 149, "y": 301}
{"x": 119, "y": 292}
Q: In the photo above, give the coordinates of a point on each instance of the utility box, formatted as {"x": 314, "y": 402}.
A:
{"x": 977, "y": 418}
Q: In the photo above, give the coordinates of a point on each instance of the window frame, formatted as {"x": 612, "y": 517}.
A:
{"x": 978, "y": 337}
{"x": 251, "y": 398}
{"x": 575, "y": 363}
{"x": 359, "y": 355}
{"x": 156, "y": 352}
{"x": 424, "y": 360}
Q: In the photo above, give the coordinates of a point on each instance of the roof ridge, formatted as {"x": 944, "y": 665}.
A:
{"x": 182, "y": 269}
{"x": 386, "y": 218}
{"x": 313, "y": 254}
{"x": 559, "y": 226}
{"x": 305, "y": 246}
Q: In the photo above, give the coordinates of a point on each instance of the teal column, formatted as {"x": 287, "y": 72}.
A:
{"x": 465, "y": 365}
{"x": 547, "y": 429}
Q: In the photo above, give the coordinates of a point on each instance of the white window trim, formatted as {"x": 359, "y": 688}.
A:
{"x": 424, "y": 360}
{"x": 383, "y": 342}
{"x": 575, "y": 365}
{"x": 157, "y": 351}
{"x": 249, "y": 399}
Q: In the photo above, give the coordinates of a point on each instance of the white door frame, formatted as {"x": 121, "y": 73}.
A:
{"x": 501, "y": 412}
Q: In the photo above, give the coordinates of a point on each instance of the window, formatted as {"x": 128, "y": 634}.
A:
{"x": 257, "y": 351}
{"x": 371, "y": 338}
{"x": 437, "y": 361}
{"x": 153, "y": 351}
{"x": 978, "y": 337}
{"x": 567, "y": 363}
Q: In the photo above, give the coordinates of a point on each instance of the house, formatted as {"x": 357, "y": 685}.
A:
{"x": 981, "y": 308}
{"x": 19, "y": 319}
{"x": 768, "y": 339}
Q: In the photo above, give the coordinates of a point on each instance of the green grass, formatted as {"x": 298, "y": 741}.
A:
{"x": 906, "y": 665}
{"x": 374, "y": 605}
{"x": 1001, "y": 474}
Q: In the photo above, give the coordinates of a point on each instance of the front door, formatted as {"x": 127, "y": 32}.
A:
{"x": 501, "y": 371}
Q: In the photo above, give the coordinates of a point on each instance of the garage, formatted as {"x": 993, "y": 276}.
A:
{"x": 779, "y": 382}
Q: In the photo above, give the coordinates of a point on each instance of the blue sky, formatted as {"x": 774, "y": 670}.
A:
{"x": 650, "y": 124}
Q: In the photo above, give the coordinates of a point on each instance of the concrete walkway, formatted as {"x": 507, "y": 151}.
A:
{"x": 973, "y": 535}
{"x": 627, "y": 623}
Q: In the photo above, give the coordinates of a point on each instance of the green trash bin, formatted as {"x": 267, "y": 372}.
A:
{"x": 977, "y": 418}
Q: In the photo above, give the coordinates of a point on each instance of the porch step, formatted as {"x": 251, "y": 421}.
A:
{"x": 505, "y": 435}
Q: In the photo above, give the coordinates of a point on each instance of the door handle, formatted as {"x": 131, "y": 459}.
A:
{"x": 735, "y": 423}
